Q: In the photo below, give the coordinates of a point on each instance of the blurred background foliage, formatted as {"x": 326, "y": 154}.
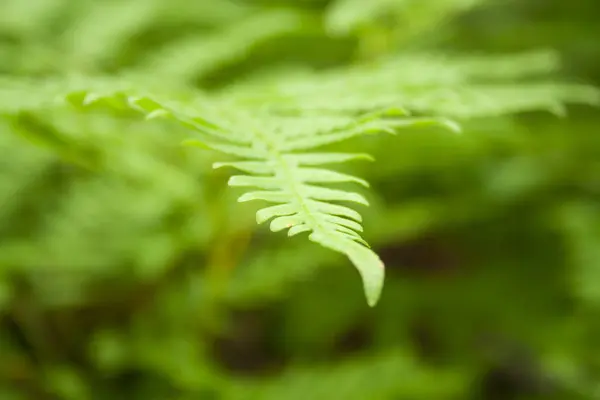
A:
{"x": 128, "y": 271}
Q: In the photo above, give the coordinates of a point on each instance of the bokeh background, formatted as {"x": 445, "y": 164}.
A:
{"x": 128, "y": 270}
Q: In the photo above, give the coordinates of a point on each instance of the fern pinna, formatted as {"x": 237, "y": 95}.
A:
{"x": 274, "y": 129}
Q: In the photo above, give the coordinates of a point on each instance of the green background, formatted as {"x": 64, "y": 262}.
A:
{"x": 128, "y": 270}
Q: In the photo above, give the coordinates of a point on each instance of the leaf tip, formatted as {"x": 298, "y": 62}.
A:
{"x": 374, "y": 287}
{"x": 245, "y": 198}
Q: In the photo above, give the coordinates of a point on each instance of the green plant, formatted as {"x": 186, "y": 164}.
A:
{"x": 276, "y": 133}
{"x": 128, "y": 270}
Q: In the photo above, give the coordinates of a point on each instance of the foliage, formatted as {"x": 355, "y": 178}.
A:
{"x": 275, "y": 134}
{"x": 109, "y": 216}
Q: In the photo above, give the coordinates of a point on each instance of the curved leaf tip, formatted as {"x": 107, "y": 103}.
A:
{"x": 366, "y": 261}
{"x": 372, "y": 272}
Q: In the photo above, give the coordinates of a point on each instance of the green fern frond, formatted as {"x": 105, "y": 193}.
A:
{"x": 428, "y": 84}
{"x": 275, "y": 135}
{"x": 282, "y": 168}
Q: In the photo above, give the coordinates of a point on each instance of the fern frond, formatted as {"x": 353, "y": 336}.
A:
{"x": 466, "y": 87}
{"x": 274, "y": 135}
{"x": 289, "y": 180}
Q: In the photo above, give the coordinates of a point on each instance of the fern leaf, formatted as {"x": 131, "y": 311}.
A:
{"x": 453, "y": 87}
{"x": 285, "y": 178}
{"x": 274, "y": 136}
